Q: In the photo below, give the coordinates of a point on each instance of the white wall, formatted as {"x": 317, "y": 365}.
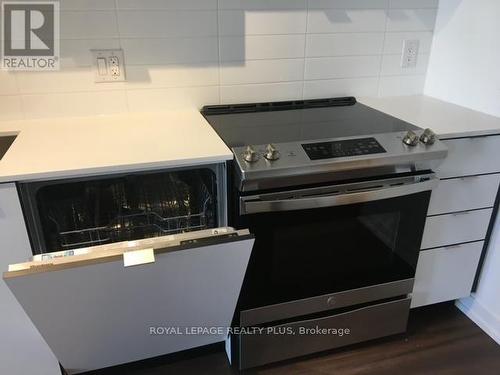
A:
{"x": 195, "y": 52}
{"x": 464, "y": 68}
{"x": 465, "y": 61}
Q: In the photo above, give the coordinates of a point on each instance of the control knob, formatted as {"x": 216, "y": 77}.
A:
{"x": 428, "y": 137}
{"x": 410, "y": 139}
{"x": 272, "y": 153}
{"x": 250, "y": 155}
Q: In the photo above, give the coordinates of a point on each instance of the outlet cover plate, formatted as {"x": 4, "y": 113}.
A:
{"x": 108, "y": 65}
{"x": 410, "y": 53}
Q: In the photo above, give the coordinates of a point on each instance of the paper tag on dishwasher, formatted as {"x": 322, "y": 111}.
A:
{"x": 138, "y": 257}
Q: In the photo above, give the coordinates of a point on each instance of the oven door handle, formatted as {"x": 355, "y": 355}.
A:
{"x": 253, "y": 204}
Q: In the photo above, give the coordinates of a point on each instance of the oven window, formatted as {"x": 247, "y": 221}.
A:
{"x": 301, "y": 254}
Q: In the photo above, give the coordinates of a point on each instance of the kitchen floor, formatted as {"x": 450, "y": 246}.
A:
{"x": 440, "y": 340}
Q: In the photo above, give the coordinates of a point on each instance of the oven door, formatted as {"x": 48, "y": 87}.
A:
{"x": 331, "y": 247}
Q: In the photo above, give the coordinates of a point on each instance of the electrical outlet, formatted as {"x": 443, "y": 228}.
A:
{"x": 410, "y": 53}
{"x": 109, "y": 65}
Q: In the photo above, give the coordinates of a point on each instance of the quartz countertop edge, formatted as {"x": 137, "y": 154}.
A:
{"x": 445, "y": 119}
{"x": 84, "y": 146}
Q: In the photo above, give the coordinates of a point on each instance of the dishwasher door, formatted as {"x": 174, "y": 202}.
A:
{"x": 118, "y": 303}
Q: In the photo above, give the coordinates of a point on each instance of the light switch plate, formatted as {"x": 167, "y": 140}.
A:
{"x": 108, "y": 65}
{"x": 410, "y": 53}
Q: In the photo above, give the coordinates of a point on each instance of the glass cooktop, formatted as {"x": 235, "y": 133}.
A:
{"x": 296, "y": 125}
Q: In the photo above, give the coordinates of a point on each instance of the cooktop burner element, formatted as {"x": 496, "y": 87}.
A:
{"x": 301, "y": 142}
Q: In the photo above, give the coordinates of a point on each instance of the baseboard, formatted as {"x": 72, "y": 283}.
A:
{"x": 476, "y": 312}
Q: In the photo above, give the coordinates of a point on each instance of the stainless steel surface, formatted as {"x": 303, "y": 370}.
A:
{"x": 428, "y": 137}
{"x": 271, "y": 152}
{"x": 410, "y": 139}
{"x": 294, "y": 166}
{"x": 364, "y": 324}
{"x": 337, "y": 195}
{"x": 250, "y": 155}
{"x": 317, "y": 304}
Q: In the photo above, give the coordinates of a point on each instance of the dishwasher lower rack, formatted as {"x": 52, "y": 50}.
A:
{"x": 133, "y": 226}
{"x": 77, "y": 213}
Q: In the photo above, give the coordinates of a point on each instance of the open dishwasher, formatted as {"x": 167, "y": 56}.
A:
{"x": 130, "y": 266}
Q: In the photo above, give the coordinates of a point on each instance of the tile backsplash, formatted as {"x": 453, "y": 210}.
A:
{"x": 195, "y": 52}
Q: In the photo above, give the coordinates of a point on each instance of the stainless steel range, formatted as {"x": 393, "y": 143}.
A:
{"x": 336, "y": 194}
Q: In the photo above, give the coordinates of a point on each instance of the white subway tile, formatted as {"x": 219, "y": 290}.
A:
{"x": 348, "y": 4}
{"x": 168, "y": 4}
{"x": 349, "y": 20}
{"x": 262, "y": 4}
{"x": 10, "y": 108}
{"x": 254, "y": 47}
{"x": 261, "y": 92}
{"x": 74, "y": 104}
{"x": 394, "y": 41}
{"x": 76, "y": 52}
{"x": 8, "y": 85}
{"x": 165, "y": 76}
{"x": 340, "y": 87}
{"x": 88, "y": 25}
{"x": 87, "y": 4}
{"x": 156, "y": 24}
{"x": 342, "y": 67}
{"x": 237, "y": 22}
{"x": 415, "y": 4}
{"x": 155, "y": 100}
{"x": 170, "y": 50}
{"x": 261, "y": 71}
{"x": 67, "y": 80}
{"x": 411, "y": 20}
{"x": 391, "y": 65}
{"x": 401, "y": 85}
{"x": 344, "y": 44}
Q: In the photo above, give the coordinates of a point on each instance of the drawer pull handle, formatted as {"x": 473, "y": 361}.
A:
{"x": 465, "y": 178}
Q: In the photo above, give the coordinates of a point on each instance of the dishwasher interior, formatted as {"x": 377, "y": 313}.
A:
{"x": 75, "y": 213}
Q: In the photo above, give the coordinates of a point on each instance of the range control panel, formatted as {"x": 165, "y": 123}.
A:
{"x": 344, "y": 148}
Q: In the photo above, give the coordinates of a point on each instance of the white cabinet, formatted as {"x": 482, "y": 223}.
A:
{"x": 471, "y": 156}
{"x": 459, "y": 212}
{"x": 23, "y": 350}
{"x": 467, "y": 226}
{"x": 464, "y": 193}
{"x": 445, "y": 274}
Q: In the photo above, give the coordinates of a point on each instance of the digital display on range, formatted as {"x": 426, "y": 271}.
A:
{"x": 341, "y": 149}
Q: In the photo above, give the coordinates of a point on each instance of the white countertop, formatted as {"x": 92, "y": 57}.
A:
{"x": 80, "y": 146}
{"x": 446, "y": 119}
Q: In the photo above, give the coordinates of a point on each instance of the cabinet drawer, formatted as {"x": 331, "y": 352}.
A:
{"x": 461, "y": 194}
{"x": 456, "y": 228}
{"x": 446, "y": 273}
{"x": 471, "y": 156}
